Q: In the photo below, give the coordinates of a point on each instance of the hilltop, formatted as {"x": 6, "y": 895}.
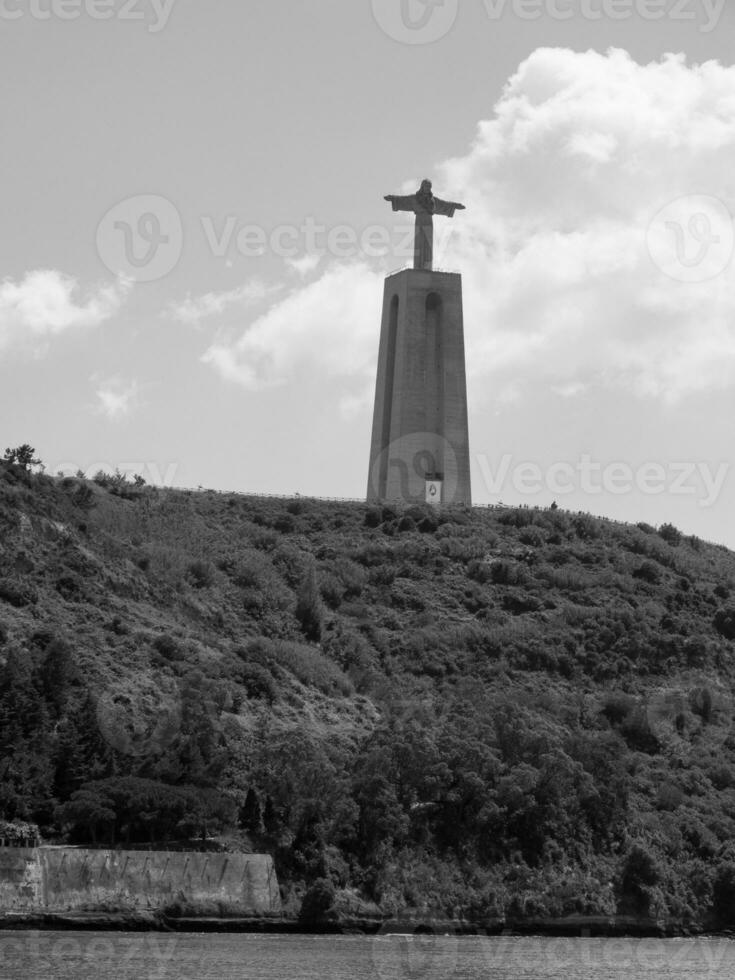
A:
{"x": 501, "y": 714}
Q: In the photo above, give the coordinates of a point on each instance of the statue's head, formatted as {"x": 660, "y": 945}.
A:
{"x": 425, "y": 187}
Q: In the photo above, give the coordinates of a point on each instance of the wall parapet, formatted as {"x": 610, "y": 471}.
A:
{"x": 68, "y": 879}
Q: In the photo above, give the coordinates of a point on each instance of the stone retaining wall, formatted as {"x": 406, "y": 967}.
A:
{"x": 59, "y": 879}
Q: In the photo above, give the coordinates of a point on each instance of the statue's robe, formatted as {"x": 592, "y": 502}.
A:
{"x": 423, "y": 247}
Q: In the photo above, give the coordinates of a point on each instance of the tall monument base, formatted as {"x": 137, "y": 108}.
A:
{"x": 420, "y": 442}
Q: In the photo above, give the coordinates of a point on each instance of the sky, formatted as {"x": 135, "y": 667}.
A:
{"x": 194, "y": 240}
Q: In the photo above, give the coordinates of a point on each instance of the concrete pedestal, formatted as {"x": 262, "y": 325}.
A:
{"x": 420, "y": 437}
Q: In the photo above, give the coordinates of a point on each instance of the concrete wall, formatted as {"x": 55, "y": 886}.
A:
{"x": 420, "y": 416}
{"x": 61, "y": 879}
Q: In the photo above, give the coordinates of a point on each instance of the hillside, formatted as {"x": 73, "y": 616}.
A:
{"x": 497, "y": 714}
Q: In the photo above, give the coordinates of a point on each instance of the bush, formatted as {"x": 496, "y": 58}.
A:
{"x": 318, "y": 901}
{"x": 83, "y": 496}
{"x": 636, "y": 731}
{"x": 201, "y": 574}
{"x": 648, "y": 571}
{"x": 70, "y": 587}
{"x": 332, "y": 590}
{"x": 533, "y": 537}
{"x": 518, "y": 517}
{"x": 702, "y": 703}
{"x": 352, "y": 575}
{"x": 617, "y": 706}
{"x": 284, "y": 523}
{"x": 670, "y": 534}
{"x": 258, "y": 682}
{"x": 307, "y": 664}
{"x": 508, "y": 573}
{"x": 585, "y": 527}
{"x": 480, "y": 571}
{"x": 724, "y": 623}
{"x": 168, "y": 647}
{"x": 18, "y": 594}
{"x": 312, "y": 668}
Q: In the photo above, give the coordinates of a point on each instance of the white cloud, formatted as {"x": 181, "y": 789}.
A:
{"x": 561, "y": 185}
{"x": 329, "y": 327}
{"x": 46, "y": 303}
{"x": 116, "y": 398}
{"x": 192, "y": 311}
{"x": 304, "y": 265}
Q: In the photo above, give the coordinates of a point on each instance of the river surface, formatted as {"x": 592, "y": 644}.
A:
{"x": 220, "y": 956}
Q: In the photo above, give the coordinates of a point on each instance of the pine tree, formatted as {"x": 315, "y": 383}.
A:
{"x": 309, "y": 608}
{"x": 251, "y": 815}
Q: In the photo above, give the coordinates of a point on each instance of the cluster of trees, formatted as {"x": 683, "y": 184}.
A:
{"x": 509, "y": 712}
{"x": 62, "y": 770}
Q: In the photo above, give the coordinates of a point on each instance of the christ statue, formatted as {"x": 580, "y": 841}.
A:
{"x": 424, "y": 205}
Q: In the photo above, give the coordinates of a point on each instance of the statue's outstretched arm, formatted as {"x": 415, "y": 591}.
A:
{"x": 447, "y": 208}
{"x": 402, "y": 203}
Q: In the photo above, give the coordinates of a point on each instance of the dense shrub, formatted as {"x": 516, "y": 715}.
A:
{"x": 724, "y": 622}
{"x": 306, "y": 663}
{"x": 480, "y": 571}
{"x": 201, "y": 574}
{"x": 508, "y": 573}
{"x": 318, "y": 900}
{"x": 617, "y": 706}
{"x": 70, "y": 586}
{"x": 258, "y": 682}
{"x": 670, "y": 534}
{"x": 648, "y": 571}
{"x": 17, "y": 593}
{"x": 168, "y": 647}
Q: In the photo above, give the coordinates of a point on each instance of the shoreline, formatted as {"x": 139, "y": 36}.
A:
{"x": 580, "y": 927}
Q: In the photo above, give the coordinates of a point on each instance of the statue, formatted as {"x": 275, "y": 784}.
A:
{"x": 425, "y": 206}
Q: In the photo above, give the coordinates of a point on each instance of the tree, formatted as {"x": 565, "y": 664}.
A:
{"x": 723, "y": 898}
{"x": 57, "y": 674}
{"x": 318, "y": 900}
{"x": 309, "y": 609}
{"x": 80, "y": 753}
{"x": 271, "y": 823}
{"x": 251, "y": 815}
{"x": 640, "y": 874}
{"x": 90, "y": 808}
{"x": 22, "y": 456}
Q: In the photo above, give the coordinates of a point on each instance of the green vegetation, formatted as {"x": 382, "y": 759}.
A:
{"x": 502, "y": 713}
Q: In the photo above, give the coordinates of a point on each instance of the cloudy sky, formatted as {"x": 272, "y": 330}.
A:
{"x": 194, "y": 239}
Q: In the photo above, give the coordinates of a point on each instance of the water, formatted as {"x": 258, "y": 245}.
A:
{"x": 219, "y": 956}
